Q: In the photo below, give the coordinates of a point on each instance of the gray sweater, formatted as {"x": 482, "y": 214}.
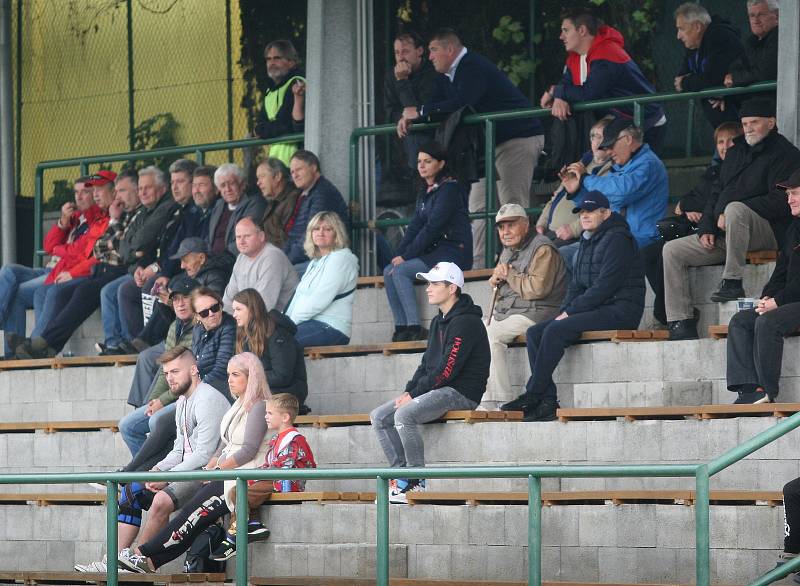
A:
{"x": 270, "y": 273}
{"x": 201, "y": 415}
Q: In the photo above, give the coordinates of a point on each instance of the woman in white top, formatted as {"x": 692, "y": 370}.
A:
{"x": 322, "y": 306}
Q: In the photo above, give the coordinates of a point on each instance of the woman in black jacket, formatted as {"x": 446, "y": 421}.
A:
{"x": 271, "y": 337}
{"x": 213, "y": 338}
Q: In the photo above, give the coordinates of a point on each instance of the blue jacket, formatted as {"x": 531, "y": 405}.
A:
{"x": 213, "y": 349}
{"x": 440, "y": 229}
{"x": 608, "y": 271}
{"x": 640, "y": 187}
{"x": 480, "y": 84}
{"x": 323, "y": 197}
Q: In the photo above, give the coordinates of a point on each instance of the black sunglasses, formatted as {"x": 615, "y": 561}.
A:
{"x": 213, "y": 309}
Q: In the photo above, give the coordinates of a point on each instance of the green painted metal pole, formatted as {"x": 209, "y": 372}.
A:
{"x": 702, "y": 538}
{"x": 382, "y": 532}
{"x": 229, "y": 73}
{"x": 242, "y": 514}
{"x": 131, "y": 104}
{"x": 200, "y": 157}
{"x": 112, "y": 511}
{"x": 531, "y": 47}
{"x": 354, "y": 195}
{"x": 83, "y": 169}
{"x": 491, "y": 187}
{"x": 534, "y": 531}
{"x": 638, "y": 115}
{"x": 777, "y": 573}
{"x": 689, "y": 127}
{"x": 38, "y": 191}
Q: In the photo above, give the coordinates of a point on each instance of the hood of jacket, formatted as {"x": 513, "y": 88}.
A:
{"x": 607, "y": 45}
{"x": 464, "y": 306}
{"x": 718, "y": 26}
{"x": 282, "y": 321}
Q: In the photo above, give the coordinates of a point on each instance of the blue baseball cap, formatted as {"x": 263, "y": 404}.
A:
{"x": 594, "y": 200}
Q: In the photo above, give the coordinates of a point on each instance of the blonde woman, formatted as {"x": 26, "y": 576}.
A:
{"x": 322, "y": 306}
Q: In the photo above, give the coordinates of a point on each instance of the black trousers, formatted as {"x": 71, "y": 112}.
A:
{"x": 78, "y": 304}
{"x": 755, "y": 347}
{"x": 654, "y": 271}
{"x": 155, "y": 448}
{"x": 791, "y": 512}
{"x": 548, "y": 340}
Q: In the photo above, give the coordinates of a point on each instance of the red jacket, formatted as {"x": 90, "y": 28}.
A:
{"x": 607, "y": 45}
{"x": 75, "y": 257}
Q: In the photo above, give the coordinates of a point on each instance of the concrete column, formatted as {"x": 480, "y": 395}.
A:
{"x": 789, "y": 71}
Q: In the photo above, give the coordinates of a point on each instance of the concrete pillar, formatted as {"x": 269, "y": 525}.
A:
{"x": 789, "y": 71}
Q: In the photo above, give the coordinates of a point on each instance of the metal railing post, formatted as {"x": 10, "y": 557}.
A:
{"x": 112, "y": 544}
{"x": 354, "y": 195}
{"x": 242, "y": 515}
{"x": 382, "y": 532}
{"x": 702, "y": 538}
{"x": 689, "y": 127}
{"x": 200, "y": 157}
{"x": 491, "y": 187}
{"x": 534, "y": 531}
{"x": 638, "y": 115}
{"x": 38, "y": 193}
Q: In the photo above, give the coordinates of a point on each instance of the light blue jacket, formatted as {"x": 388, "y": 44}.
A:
{"x": 326, "y": 278}
{"x": 639, "y": 190}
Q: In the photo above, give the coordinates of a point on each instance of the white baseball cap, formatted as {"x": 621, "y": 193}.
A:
{"x": 444, "y": 271}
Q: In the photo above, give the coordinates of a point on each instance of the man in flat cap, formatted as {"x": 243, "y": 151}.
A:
{"x": 529, "y": 283}
{"x": 746, "y": 212}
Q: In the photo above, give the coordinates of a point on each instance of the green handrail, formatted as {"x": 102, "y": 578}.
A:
{"x": 199, "y": 150}
{"x": 490, "y": 118}
{"x": 534, "y": 474}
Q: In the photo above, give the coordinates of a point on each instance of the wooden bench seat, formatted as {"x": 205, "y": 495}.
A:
{"x": 68, "y": 361}
{"x": 761, "y": 257}
{"x": 101, "y": 578}
{"x": 53, "y": 426}
{"x": 458, "y": 415}
{"x": 377, "y": 281}
{"x": 679, "y": 412}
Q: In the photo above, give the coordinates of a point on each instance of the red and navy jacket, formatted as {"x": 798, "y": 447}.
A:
{"x": 457, "y": 354}
{"x": 611, "y": 73}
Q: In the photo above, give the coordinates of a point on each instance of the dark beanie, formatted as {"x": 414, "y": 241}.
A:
{"x": 758, "y": 107}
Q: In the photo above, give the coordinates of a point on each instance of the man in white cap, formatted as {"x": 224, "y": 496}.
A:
{"x": 529, "y": 283}
{"x": 452, "y": 376}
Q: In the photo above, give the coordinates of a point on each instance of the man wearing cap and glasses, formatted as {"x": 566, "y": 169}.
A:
{"x": 529, "y": 283}
{"x": 606, "y": 292}
{"x": 452, "y": 375}
{"x": 755, "y": 336}
{"x": 747, "y": 212}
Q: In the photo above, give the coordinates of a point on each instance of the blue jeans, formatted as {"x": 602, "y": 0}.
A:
{"x": 46, "y": 304}
{"x": 135, "y": 426}
{"x": 113, "y": 328}
{"x": 317, "y": 333}
{"x": 568, "y": 253}
{"x": 399, "y": 283}
{"x": 18, "y": 284}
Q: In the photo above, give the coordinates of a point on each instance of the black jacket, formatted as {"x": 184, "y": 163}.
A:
{"x": 139, "y": 244}
{"x": 252, "y": 206}
{"x": 784, "y": 284}
{"x": 695, "y": 200}
{"x": 215, "y": 274}
{"x": 607, "y": 270}
{"x": 283, "y": 123}
{"x": 707, "y": 65}
{"x": 415, "y": 90}
{"x": 184, "y": 223}
{"x": 457, "y": 355}
{"x": 213, "y": 350}
{"x": 283, "y": 360}
{"x": 759, "y": 62}
{"x": 749, "y": 174}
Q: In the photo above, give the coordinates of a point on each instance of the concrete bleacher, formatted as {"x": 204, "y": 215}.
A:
{"x": 615, "y": 541}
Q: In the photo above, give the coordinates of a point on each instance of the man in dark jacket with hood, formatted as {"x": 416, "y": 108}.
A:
{"x": 755, "y": 336}
{"x": 712, "y": 44}
{"x": 745, "y": 212}
{"x": 452, "y": 375}
{"x": 606, "y": 293}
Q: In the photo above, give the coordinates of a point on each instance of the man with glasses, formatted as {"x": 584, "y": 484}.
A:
{"x": 760, "y": 59}
{"x": 285, "y": 99}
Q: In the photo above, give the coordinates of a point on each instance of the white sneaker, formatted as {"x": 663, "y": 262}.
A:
{"x": 399, "y": 496}
{"x": 100, "y": 567}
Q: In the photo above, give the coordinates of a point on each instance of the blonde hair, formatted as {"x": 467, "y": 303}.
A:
{"x": 287, "y": 403}
{"x": 257, "y": 385}
{"x": 332, "y": 218}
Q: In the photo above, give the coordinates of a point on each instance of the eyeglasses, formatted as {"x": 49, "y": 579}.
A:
{"x": 213, "y": 309}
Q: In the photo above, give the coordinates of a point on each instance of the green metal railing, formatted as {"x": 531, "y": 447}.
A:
{"x": 534, "y": 474}
{"x": 490, "y": 119}
{"x": 199, "y": 151}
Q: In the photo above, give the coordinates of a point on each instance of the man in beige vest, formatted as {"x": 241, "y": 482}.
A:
{"x": 529, "y": 283}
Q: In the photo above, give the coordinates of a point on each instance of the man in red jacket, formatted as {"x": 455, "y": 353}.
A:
{"x": 68, "y": 242}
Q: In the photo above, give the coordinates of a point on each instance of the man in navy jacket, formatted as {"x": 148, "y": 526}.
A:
{"x": 469, "y": 79}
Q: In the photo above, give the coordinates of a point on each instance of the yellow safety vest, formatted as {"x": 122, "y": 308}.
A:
{"x": 273, "y": 100}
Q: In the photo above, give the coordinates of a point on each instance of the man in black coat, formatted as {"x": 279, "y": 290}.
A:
{"x": 606, "y": 293}
{"x": 745, "y": 212}
{"x": 755, "y": 336}
{"x": 712, "y": 44}
{"x": 760, "y": 59}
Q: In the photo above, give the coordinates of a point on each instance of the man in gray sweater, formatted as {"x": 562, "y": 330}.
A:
{"x": 197, "y": 419}
{"x": 260, "y": 266}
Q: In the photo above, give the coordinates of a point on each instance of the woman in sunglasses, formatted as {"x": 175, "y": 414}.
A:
{"x": 213, "y": 339}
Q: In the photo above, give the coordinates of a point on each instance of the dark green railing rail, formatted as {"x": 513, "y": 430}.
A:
{"x": 199, "y": 151}
{"x": 490, "y": 119}
{"x": 534, "y": 474}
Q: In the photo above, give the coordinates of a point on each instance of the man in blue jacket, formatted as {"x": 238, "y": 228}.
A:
{"x": 606, "y": 293}
{"x": 468, "y": 79}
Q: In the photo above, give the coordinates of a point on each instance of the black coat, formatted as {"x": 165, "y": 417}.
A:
{"x": 695, "y": 200}
{"x": 413, "y": 91}
{"x": 213, "y": 350}
{"x": 759, "y": 62}
{"x": 749, "y": 174}
{"x": 607, "y": 271}
{"x": 283, "y": 123}
{"x": 707, "y": 65}
{"x": 184, "y": 223}
{"x": 784, "y": 284}
{"x": 215, "y": 274}
{"x": 283, "y": 359}
{"x": 457, "y": 355}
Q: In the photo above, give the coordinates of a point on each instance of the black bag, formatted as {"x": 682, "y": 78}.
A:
{"x": 197, "y": 557}
{"x": 675, "y": 227}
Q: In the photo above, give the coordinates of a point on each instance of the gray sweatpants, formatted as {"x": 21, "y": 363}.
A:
{"x": 398, "y": 429}
{"x": 745, "y": 230}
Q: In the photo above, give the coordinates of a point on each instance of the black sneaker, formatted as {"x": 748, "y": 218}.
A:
{"x": 729, "y": 290}
{"x": 753, "y": 397}
{"x": 256, "y": 530}
{"x": 304, "y": 409}
{"x": 544, "y": 411}
{"x": 224, "y": 551}
{"x": 519, "y": 404}
{"x": 683, "y": 329}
